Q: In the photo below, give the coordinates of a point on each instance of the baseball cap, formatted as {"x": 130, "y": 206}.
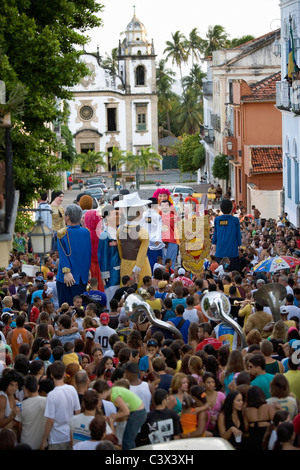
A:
{"x": 283, "y": 310}
{"x": 104, "y": 318}
{"x": 181, "y": 271}
{"x": 15, "y": 276}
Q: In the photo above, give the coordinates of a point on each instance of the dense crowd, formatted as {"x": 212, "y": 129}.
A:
{"x": 82, "y": 375}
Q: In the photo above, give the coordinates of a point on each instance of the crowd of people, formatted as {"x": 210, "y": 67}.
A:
{"x": 77, "y": 371}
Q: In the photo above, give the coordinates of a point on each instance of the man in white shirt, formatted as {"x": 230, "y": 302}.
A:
{"x": 284, "y": 281}
{"x": 152, "y": 222}
{"x": 31, "y": 416}
{"x": 293, "y": 311}
{"x": 103, "y": 333}
{"x": 137, "y": 386}
{"x": 191, "y": 313}
{"x": 61, "y": 404}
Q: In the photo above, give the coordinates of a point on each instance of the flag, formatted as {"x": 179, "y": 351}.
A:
{"x": 292, "y": 66}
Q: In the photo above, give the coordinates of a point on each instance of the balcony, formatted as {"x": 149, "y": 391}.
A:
{"x": 207, "y": 88}
{"x": 209, "y": 136}
{"x": 283, "y": 91}
{"x": 295, "y": 96}
{"x": 215, "y": 122}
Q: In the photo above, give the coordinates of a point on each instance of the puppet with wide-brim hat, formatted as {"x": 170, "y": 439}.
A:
{"x": 133, "y": 240}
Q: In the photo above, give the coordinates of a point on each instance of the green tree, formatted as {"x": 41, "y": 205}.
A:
{"x": 195, "y": 79}
{"x": 194, "y": 45}
{"x": 239, "y": 41}
{"x": 40, "y": 48}
{"x": 189, "y": 113}
{"x": 177, "y": 50}
{"x": 165, "y": 94}
{"x": 216, "y": 38}
{"x": 91, "y": 160}
{"x": 111, "y": 61}
{"x": 118, "y": 158}
{"x": 220, "y": 168}
{"x": 68, "y": 152}
{"x": 149, "y": 159}
{"x": 191, "y": 154}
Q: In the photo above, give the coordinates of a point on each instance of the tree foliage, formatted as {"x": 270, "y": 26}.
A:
{"x": 191, "y": 154}
{"x": 220, "y": 168}
{"x": 40, "y": 46}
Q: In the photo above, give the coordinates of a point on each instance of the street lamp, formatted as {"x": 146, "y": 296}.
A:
{"x": 41, "y": 238}
{"x": 229, "y": 145}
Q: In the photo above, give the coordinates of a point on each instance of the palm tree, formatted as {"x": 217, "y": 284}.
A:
{"x": 91, "y": 160}
{"x": 242, "y": 40}
{"x": 189, "y": 112}
{"x": 194, "y": 45}
{"x": 117, "y": 158}
{"x": 148, "y": 159}
{"x": 111, "y": 61}
{"x": 177, "y": 50}
{"x": 217, "y": 38}
{"x": 195, "y": 79}
{"x": 164, "y": 82}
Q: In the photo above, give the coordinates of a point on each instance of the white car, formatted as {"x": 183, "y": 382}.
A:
{"x": 184, "y": 190}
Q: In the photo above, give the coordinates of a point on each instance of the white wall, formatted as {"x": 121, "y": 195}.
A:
{"x": 267, "y": 202}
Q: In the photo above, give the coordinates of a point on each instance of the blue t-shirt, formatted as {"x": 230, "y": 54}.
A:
{"x": 227, "y": 236}
{"x": 184, "y": 329}
{"x": 98, "y": 296}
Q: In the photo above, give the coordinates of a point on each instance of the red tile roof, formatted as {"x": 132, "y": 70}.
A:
{"x": 266, "y": 159}
{"x": 264, "y": 90}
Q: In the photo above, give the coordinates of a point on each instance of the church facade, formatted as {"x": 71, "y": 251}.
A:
{"x": 117, "y": 110}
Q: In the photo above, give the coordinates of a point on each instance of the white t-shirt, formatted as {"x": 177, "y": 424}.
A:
{"x": 143, "y": 392}
{"x": 61, "y": 404}
{"x": 293, "y": 311}
{"x": 33, "y": 421}
{"x": 191, "y": 315}
{"x": 80, "y": 428}
{"x": 86, "y": 445}
{"x": 102, "y": 335}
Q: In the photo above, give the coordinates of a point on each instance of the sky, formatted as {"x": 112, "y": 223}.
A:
{"x": 164, "y": 17}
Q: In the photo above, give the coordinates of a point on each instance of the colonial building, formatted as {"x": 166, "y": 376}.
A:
{"x": 250, "y": 62}
{"x": 117, "y": 109}
{"x": 288, "y": 103}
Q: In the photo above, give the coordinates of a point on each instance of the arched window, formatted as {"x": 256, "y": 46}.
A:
{"x": 140, "y": 75}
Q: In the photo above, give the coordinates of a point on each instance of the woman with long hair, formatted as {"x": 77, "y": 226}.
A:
{"x": 258, "y": 414}
{"x": 234, "y": 365}
{"x": 215, "y": 400}
{"x": 193, "y": 335}
{"x": 231, "y": 423}
{"x": 280, "y": 394}
{"x": 179, "y": 385}
{"x": 285, "y": 437}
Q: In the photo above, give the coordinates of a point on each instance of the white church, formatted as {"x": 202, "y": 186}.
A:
{"x": 117, "y": 110}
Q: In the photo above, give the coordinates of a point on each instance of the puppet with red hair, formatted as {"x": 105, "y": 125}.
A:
{"x": 162, "y": 194}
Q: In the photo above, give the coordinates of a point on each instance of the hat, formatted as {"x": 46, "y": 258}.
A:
{"x": 232, "y": 199}
{"x": 283, "y": 310}
{"x": 39, "y": 278}
{"x": 104, "y": 318}
{"x": 86, "y": 202}
{"x": 132, "y": 200}
{"x": 162, "y": 284}
{"x": 50, "y": 274}
{"x": 90, "y": 333}
{"x": 15, "y": 276}
{"x": 181, "y": 271}
{"x": 260, "y": 281}
{"x": 55, "y": 194}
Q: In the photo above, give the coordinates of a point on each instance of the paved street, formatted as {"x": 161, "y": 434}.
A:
{"x": 145, "y": 191}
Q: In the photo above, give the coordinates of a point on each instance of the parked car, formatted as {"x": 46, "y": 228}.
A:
{"x": 94, "y": 180}
{"x": 96, "y": 193}
{"x": 99, "y": 185}
{"x": 184, "y": 190}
